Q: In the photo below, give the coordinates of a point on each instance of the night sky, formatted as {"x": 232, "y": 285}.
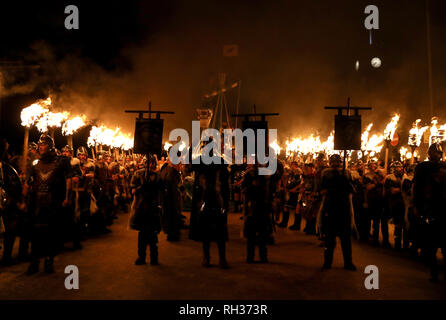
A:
{"x": 295, "y": 57}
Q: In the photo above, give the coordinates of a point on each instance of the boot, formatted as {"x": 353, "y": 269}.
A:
{"x": 49, "y": 265}
{"x": 206, "y": 262}
{"x": 154, "y": 256}
{"x": 223, "y": 264}
{"x": 386, "y": 244}
{"x": 326, "y": 266}
{"x": 350, "y": 266}
{"x": 140, "y": 261}
{"x": 33, "y": 267}
{"x": 263, "y": 254}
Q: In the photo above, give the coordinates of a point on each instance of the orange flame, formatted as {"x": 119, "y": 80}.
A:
{"x": 34, "y": 112}
{"x": 389, "y": 132}
{"x": 72, "y": 125}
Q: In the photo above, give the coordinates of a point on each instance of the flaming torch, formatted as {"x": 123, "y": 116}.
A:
{"x": 29, "y": 116}
{"x": 389, "y": 132}
{"x": 117, "y": 142}
{"x": 275, "y": 146}
{"x": 370, "y": 145}
{"x": 437, "y": 134}
{"x": 92, "y": 139}
{"x": 415, "y": 135}
{"x": 50, "y": 121}
{"x": 71, "y": 126}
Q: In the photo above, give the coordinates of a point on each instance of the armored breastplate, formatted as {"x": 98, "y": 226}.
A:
{"x": 44, "y": 176}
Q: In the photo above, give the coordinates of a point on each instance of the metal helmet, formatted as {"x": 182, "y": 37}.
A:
{"x": 372, "y": 162}
{"x": 46, "y": 139}
{"x": 335, "y": 158}
{"x": 100, "y": 155}
{"x": 81, "y": 150}
{"x": 67, "y": 148}
{"x": 435, "y": 149}
{"x": 396, "y": 164}
{"x": 33, "y": 146}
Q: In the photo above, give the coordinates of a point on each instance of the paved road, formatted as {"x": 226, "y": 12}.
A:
{"x": 107, "y": 271}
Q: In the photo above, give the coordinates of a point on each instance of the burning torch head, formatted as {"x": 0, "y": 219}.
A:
{"x": 45, "y": 143}
{"x": 435, "y": 152}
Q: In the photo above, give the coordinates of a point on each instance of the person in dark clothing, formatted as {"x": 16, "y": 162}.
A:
{"x": 10, "y": 196}
{"x": 210, "y": 203}
{"x": 307, "y": 201}
{"x": 172, "y": 217}
{"x": 146, "y": 209}
{"x": 429, "y": 195}
{"x": 103, "y": 191}
{"x": 48, "y": 188}
{"x": 395, "y": 203}
{"x": 258, "y": 194}
{"x": 85, "y": 187}
{"x": 410, "y": 220}
{"x": 71, "y": 224}
{"x": 292, "y": 187}
{"x": 374, "y": 203}
{"x": 336, "y": 217}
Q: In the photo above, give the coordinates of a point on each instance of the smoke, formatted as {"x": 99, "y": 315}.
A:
{"x": 7, "y": 88}
{"x": 294, "y": 58}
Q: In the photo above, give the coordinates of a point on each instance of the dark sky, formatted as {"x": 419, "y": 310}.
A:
{"x": 295, "y": 57}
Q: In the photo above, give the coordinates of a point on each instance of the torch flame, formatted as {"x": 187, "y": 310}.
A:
{"x": 437, "y": 134}
{"x": 72, "y": 125}
{"x": 416, "y": 133}
{"x": 34, "y": 112}
{"x": 389, "y": 132}
{"x": 276, "y": 147}
{"x": 167, "y": 145}
{"x": 108, "y": 137}
{"x": 51, "y": 120}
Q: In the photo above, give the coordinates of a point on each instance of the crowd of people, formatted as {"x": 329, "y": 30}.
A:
{"x": 61, "y": 197}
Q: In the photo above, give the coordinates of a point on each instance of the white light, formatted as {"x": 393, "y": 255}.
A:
{"x": 376, "y": 62}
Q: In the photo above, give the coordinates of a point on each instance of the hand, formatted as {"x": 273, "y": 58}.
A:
{"x": 21, "y": 206}
{"x": 75, "y": 179}
{"x": 66, "y": 203}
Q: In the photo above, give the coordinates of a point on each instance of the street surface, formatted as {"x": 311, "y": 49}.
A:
{"x": 107, "y": 271}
